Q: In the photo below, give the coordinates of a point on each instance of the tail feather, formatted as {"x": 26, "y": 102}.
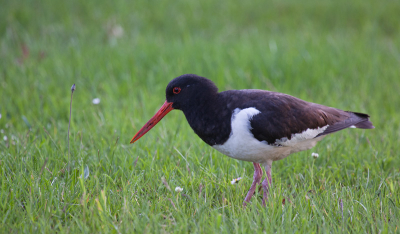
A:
{"x": 365, "y": 125}
{"x": 358, "y": 120}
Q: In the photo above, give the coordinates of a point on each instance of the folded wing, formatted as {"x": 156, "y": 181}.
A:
{"x": 283, "y": 116}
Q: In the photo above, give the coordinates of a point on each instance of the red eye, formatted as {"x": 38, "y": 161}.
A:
{"x": 176, "y": 90}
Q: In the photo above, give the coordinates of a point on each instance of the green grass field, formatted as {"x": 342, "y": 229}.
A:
{"x": 344, "y": 54}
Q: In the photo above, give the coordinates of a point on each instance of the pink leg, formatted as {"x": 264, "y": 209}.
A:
{"x": 256, "y": 179}
{"x": 267, "y": 183}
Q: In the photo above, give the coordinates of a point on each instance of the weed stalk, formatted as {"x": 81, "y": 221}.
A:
{"x": 69, "y": 124}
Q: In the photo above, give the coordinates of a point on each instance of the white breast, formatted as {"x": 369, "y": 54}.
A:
{"x": 243, "y": 146}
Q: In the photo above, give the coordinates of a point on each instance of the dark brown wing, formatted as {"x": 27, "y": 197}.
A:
{"x": 284, "y": 115}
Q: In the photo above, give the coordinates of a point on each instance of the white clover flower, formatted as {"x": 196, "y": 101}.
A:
{"x": 0, "y": 116}
{"x": 178, "y": 189}
{"x": 117, "y": 31}
{"x": 96, "y": 101}
{"x": 2, "y": 130}
{"x": 5, "y": 138}
{"x": 234, "y": 181}
{"x": 315, "y": 155}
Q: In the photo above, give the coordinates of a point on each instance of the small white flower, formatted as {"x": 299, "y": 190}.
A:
{"x": 0, "y": 116}
{"x": 117, "y": 31}
{"x": 5, "y": 138}
{"x": 234, "y": 181}
{"x": 1, "y": 130}
{"x": 315, "y": 155}
{"x": 96, "y": 101}
{"x": 178, "y": 189}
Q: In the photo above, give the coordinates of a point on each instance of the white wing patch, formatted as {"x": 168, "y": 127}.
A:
{"x": 241, "y": 120}
{"x": 300, "y": 137}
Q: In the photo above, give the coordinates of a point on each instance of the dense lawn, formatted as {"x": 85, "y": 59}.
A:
{"x": 338, "y": 53}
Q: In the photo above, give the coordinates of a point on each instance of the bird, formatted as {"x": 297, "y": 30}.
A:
{"x": 252, "y": 125}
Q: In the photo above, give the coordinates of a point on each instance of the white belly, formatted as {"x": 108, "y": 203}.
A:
{"x": 243, "y": 146}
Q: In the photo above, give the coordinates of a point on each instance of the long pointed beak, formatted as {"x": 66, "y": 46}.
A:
{"x": 165, "y": 108}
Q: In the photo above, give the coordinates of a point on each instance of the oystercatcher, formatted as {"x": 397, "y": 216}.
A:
{"x": 252, "y": 125}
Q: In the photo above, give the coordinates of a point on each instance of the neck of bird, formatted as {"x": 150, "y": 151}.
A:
{"x": 210, "y": 119}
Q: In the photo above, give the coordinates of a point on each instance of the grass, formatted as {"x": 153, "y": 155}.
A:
{"x": 338, "y": 53}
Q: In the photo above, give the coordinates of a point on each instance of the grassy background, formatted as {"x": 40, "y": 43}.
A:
{"x": 338, "y": 53}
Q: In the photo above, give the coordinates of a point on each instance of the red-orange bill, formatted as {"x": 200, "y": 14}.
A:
{"x": 165, "y": 108}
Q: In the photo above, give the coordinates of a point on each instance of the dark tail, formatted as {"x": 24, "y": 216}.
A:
{"x": 358, "y": 120}
{"x": 366, "y": 124}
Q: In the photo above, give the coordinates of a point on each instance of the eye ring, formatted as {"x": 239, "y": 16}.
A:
{"x": 176, "y": 90}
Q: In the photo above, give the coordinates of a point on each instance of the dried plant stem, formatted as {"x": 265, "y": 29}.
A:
{"x": 69, "y": 124}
